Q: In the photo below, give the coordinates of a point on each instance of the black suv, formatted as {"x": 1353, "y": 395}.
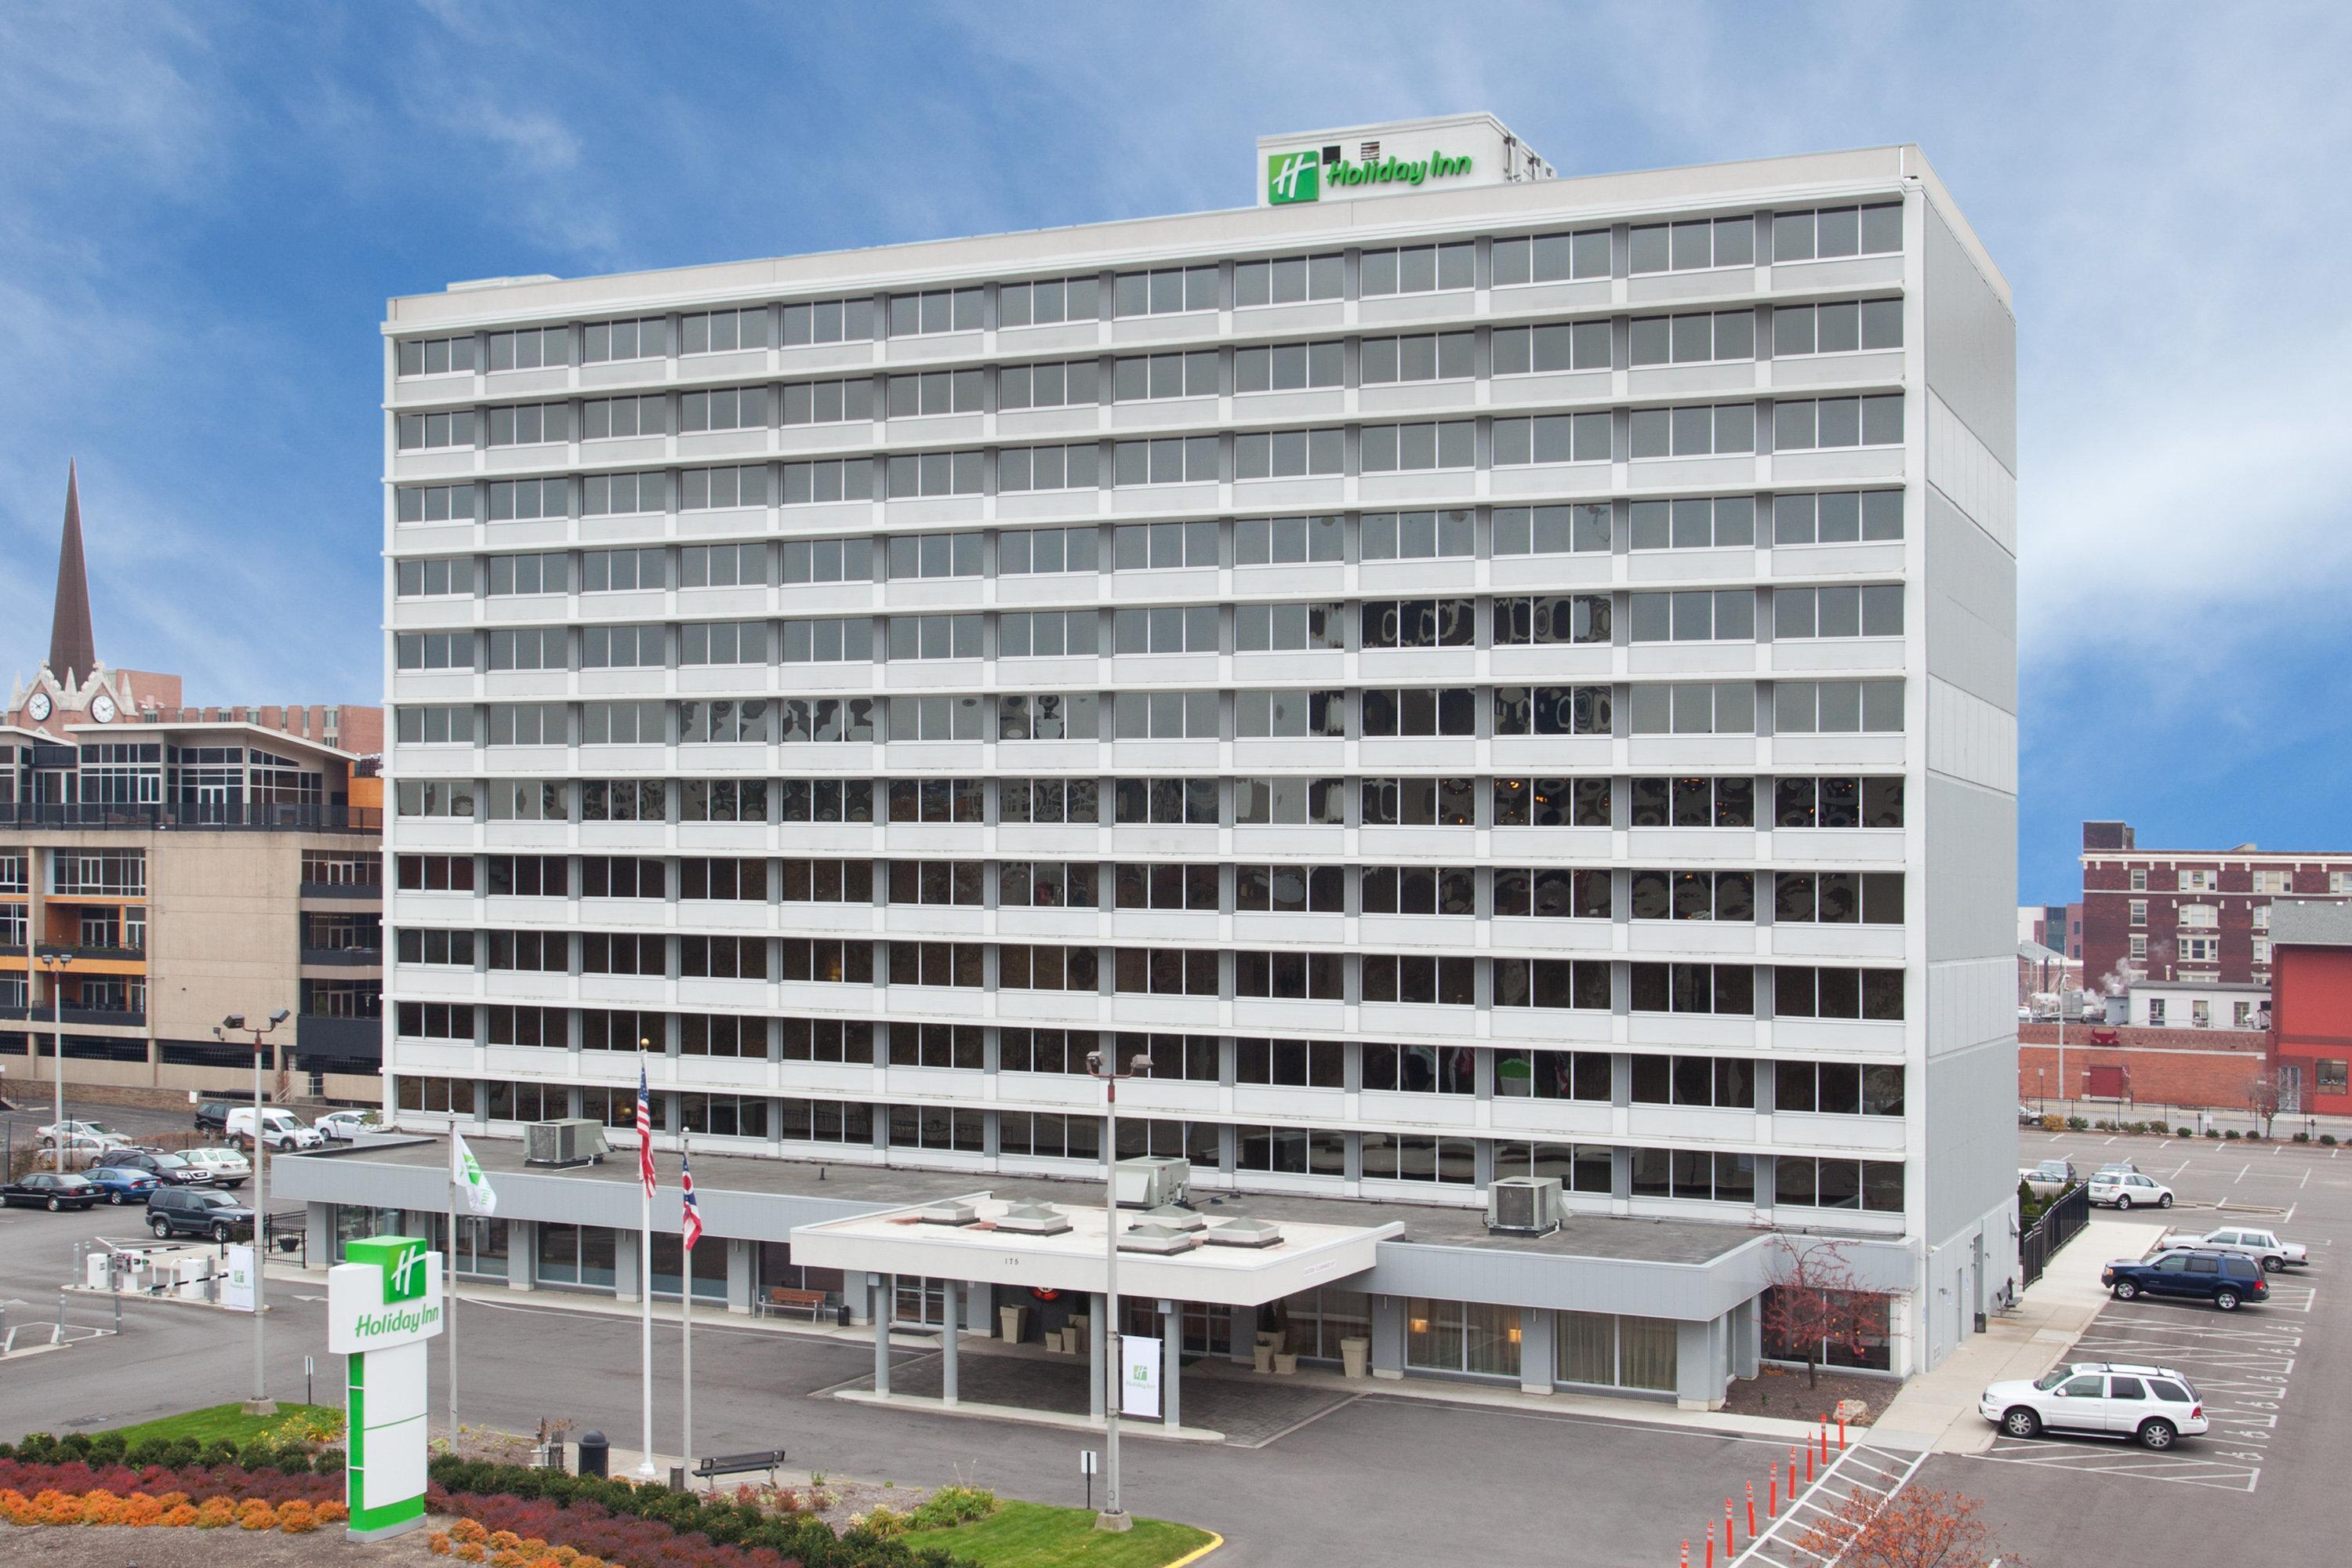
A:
{"x": 192, "y": 1211}
{"x": 167, "y": 1168}
{"x": 212, "y": 1116}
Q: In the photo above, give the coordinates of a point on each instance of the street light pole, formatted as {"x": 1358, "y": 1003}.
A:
{"x": 55, "y": 963}
{"x": 1113, "y": 1517}
{"x": 260, "y": 1404}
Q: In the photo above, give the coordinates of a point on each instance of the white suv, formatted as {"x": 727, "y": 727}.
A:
{"x": 2123, "y": 1189}
{"x": 2154, "y": 1403}
{"x": 2262, "y": 1245}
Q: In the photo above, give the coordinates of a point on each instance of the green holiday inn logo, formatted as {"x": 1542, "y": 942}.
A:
{"x": 401, "y": 1258}
{"x": 1301, "y": 177}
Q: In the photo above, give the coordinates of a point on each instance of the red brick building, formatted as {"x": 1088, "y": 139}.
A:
{"x": 2189, "y": 914}
{"x": 2311, "y": 1005}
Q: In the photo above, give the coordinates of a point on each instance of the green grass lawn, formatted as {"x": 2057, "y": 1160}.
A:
{"x": 1031, "y": 1535}
{"x": 216, "y": 1422}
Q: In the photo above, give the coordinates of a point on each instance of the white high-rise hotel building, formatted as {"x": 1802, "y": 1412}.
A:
{"x": 1491, "y": 673}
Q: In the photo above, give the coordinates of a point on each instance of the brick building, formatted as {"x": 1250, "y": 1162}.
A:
{"x": 2190, "y": 915}
{"x": 2311, "y": 1014}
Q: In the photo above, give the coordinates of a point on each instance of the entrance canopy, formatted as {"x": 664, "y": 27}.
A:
{"x": 1179, "y": 1256}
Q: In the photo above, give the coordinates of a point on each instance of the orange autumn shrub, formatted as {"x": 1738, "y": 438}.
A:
{"x": 469, "y": 1552}
{"x": 466, "y": 1529}
{"x": 141, "y": 1511}
{"x": 256, "y": 1514}
{"x": 295, "y": 1518}
{"x": 179, "y": 1516}
{"x": 504, "y": 1540}
{"x": 331, "y": 1512}
{"x": 214, "y": 1513}
{"x": 438, "y": 1542}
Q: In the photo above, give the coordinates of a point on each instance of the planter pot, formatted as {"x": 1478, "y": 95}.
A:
{"x": 1077, "y": 1333}
{"x": 1013, "y": 1322}
{"x": 1285, "y": 1364}
{"x": 1264, "y": 1356}
{"x": 1355, "y": 1356}
{"x": 1269, "y": 1336}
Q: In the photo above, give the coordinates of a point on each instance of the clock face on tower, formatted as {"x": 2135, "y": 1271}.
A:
{"x": 103, "y": 708}
{"x": 37, "y": 707}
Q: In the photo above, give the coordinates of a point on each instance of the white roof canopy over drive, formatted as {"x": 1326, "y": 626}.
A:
{"x": 1155, "y": 1259}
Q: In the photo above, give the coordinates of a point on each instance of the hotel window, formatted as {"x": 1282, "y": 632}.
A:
{"x": 1554, "y": 983}
{"x": 1725, "y": 523}
{"x": 647, "y": 337}
{"x": 1165, "y": 715}
{"x": 1837, "y": 517}
{"x": 1021, "y": 551}
{"x": 934, "y": 392}
{"x": 724, "y": 958}
{"x": 2200, "y": 949}
{"x": 435, "y": 726}
{"x": 716, "y": 1116}
{"x": 1449, "y": 623}
{"x": 828, "y": 401}
{"x": 828, "y": 560}
{"x": 912, "y": 719}
{"x": 528, "y": 647}
{"x": 2204, "y": 917}
{"x": 1603, "y": 1349}
{"x": 1420, "y": 979}
{"x": 2262, "y": 951}
{"x": 722, "y": 565}
{"x": 435, "y": 873}
{"x": 2140, "y": 879}
{"x": 433, "y": 650}
{"x": 1295, "y": 975}
{"x": 1420, "y": 1069}
{"x": 621, "y": 647}
{"x": 1190, "y": 459}
{"x": 529, "y": 952}
{"x": 435, "y": 578}
{"x": 827, "y": 1122}
{"x": 1552, "y": 257}
{"x": 2201, "y": 882}
{"x": 1551, "y": 802}
{"x": 521, "y": 501}
{"x": 1289, "y": 890}
{"x": 1290, "y": 629}
{"x": 1552, "y": 1075}
{"x": 939, "y": 882}
{"x": 528, "y": 424}
{"x": 1420, "y": 889}
{"x": 1807, "y": 425}
{"x": 723, "y": 642}
{"x": 1288, "y": 541}
{"x": 621, "y": 571}
{"x": 1872, "y": 611}
{"x": 911, "y": 475}
{"x": 1551, "y": 711}
{"x": 1283, "y": 1151}
{"x": 723, "y": 800}
{"x": 1417, "y": 535}
{"x": 1064, "y": 385}
{"x": 445, "y": 949}
{"x": 525, "y": 575}
{"x": 527, "y": 800}
{"x": 1830, "y": 232}
{"x": 1169, "y": 801}
{"x": 717, "y": 332}
{"x": 436, "y": 356}
{"x": 2337, "y": 882}
{"x": 539, "y": 1026}
{"x": 1838, "y": 898}
{"x": 1693, "y": 895}
{"x": 1143, "y": 377}
{"x": 433, "y": 1021}
{"x": 2331, "y": 1077}
{"x": 2200, "y": 1013}
{"x": 1073, "y": 467}
{"x": 724, "y": 408}
{"x": 1286, "y": 802}
{"x": 829, "y": 322}
{"x": 1550, "y": 438}
{"x": 1167, "y": 291}
{"x": 1875, "y": 1185}
{"x": 433, "y": 432}
{"x": 803, "y": 881}
{"x": 1700, "y": 431}
{"x": 1023, "y": 968}
{"x": 1289, "y": 367}
{"x": 1420, "y": 711}
{"x": 615, "y": 495}
{"x": 1420, "y": 269}
{"x": 910, "y": 800}
{"x": 1419, "y": 802}
{"x": 1695, "y": 802}
{"x": 1390, "y": 1157}
{"x": 2139, "y": 948}
{"x": 936, "y": 311}
{"x": 1694, "y": 246}
{"x": 1420, "y": 448}
{"x": 1288, "y": 280}
{"x": 849, "y": 1041}
{"x": 1552, "y": 529}
{"x": 1141, "y": 546}
{"x": 1047, "y": 1135}
{"x": 709, "y": 490}
{"x": 1694, "y": 708}
{"x": 1472, "y": 1337}
{"x": 1047, "y": 634}
{"x": 846, "y": 479}
{"x": 435, "y": 503}
{"x": 2273, "y": 881}
{"x": 2156, "y": 1012}
{"x": 1725, "y": 615}
{"x": 508, "y": 876}
{"x": 529, "y": 350}
{"x": 1564, "y": 345}
{"x": 1842, "y": 327}
{"x": 840, "y": 641}
{"x": 1046, "y": 302}
{"x": 1698, "y": 338}
{"x": 1423, "y": 356}
{"x": 1837, "y": 707}
{"x": 1838, "y": 1089}
{"x": 1726, "y": 988}
{"x": 1803, "y": 992}
{"x": 934, "y": 637}
{"x": 1165, "y": 628}
{"x": 1046, "y": 885}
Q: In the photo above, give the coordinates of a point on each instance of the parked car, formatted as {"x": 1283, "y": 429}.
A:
{"x": 2028, "y": 1117}
{"x": 2115, "y": 1168}
{"x": 82, "y": 1149}
{"x": 172, "y": 1170}
{"x": 212, "y": 1115}
{"x": 282, "y": 1129}
{"x": 2225, "y": 1279}
{"x": 48, "y": 1190}
{"x": 120, "y": 1184}
{"x": 225, "y": 1165}
{"x": 184, "y": 1211}
{"x": 2049, "y": 1177}
{"x": 97, "y": 1131}
{"x": 2154, "y": 1404}
{"x": 2123, "y": 1189}
{"x": 2263, "y": 1246}
{"x": 342, "y": 1126}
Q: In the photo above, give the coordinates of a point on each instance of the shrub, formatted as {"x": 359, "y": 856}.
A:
{"x": 2327, "y": 1139}
{"x": 39, "y": 1447}
{"x": 2182, "y": 1132}
{"x": 2302, "y": 1137}
{"x": 145, "y": 1452}
{"x": 2231, "y": 1135}
{"x": 2077, "y": 1124}
{"x": 108, "y": 1448}
{"x": 329, "y": 1462}
{"x": 2212, "y": 1132}
{"x": 74, "y": 1446}
{"x": 953, "y": 1505}
{"x": 218, "y": 1454}
{"x": 292, "y": 1462}
{"x": 2253, "y": 1135}
{"x": 296, "y": 1518}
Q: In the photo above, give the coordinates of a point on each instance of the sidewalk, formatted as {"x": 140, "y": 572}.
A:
{"x": 1938, "y": 1410}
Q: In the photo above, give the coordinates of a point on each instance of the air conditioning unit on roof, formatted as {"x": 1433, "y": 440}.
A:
{"x": 1524, "y": 1206}
{"x": 573, "y": 1140}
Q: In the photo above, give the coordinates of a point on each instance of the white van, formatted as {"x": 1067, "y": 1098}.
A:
{"x": 282, "y": 1129}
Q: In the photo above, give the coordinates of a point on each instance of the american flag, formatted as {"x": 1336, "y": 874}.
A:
{"x": 645, "y": 1131}
{"x": 691, "y": 1224}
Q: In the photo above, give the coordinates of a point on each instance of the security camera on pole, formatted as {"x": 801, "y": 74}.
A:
{"x": 1113, "y": 1517}
{"x": 260, "y": 1404}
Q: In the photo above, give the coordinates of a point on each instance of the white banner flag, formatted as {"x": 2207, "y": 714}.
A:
{"x": 1138, "y": 1379}
{"x": 466, "y": 1173}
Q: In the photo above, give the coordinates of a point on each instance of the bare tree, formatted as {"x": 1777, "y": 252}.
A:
{"x": 1816, "y": 1300}
{"x": 1916, "y": 1528}
{"x": 2265, "y": 1094}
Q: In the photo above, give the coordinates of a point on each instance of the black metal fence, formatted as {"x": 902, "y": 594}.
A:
{"x": 2059, "y": 1223}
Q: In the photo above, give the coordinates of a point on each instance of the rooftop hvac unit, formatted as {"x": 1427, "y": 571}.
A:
{"x": 1526, "y": 1205}
{"x": 1147, "y": 1184}
{"x": 575, "y": 1141}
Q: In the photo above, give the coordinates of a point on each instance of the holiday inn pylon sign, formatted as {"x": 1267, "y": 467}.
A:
{"x": 1302, "y": 177}
{"x": 383, "y": 1302}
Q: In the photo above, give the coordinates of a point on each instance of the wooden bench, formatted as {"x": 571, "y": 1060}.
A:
{"x": 716, "y": 1465}
{"x": 780, "y": 1298}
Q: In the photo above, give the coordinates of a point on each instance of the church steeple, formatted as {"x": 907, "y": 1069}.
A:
{"x": 73, "y": 645}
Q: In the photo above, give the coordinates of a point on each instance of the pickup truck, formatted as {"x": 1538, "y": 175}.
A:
{"x": 2262, "y": 1246}
{"x": 2225, "y": 1279}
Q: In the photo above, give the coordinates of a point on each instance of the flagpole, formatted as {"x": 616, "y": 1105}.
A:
{"x": 646, "y": 1470}
{"x": 685, "y": 1322}
{"x": 450, "y": 1288}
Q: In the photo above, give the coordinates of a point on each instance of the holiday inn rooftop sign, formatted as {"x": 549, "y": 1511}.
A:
{"x": 1302, "y": 177}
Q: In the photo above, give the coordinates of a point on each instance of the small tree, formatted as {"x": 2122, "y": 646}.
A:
{"x": 1916, "y": 1528}
{"x": 2265, "y": 1094}
{"x": 1815, "y": 1300}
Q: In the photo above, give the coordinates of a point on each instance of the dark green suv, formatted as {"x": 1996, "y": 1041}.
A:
{"x": 193, "y": 1211}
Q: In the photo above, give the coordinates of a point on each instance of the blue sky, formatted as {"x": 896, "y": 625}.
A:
{"x": 203, "y": 208}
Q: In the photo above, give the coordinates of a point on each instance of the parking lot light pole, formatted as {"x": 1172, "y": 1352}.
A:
{"x": 55, "y": 963}
{"x": 260, "y": 1404}
{"x": 1113, "y": 1517}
